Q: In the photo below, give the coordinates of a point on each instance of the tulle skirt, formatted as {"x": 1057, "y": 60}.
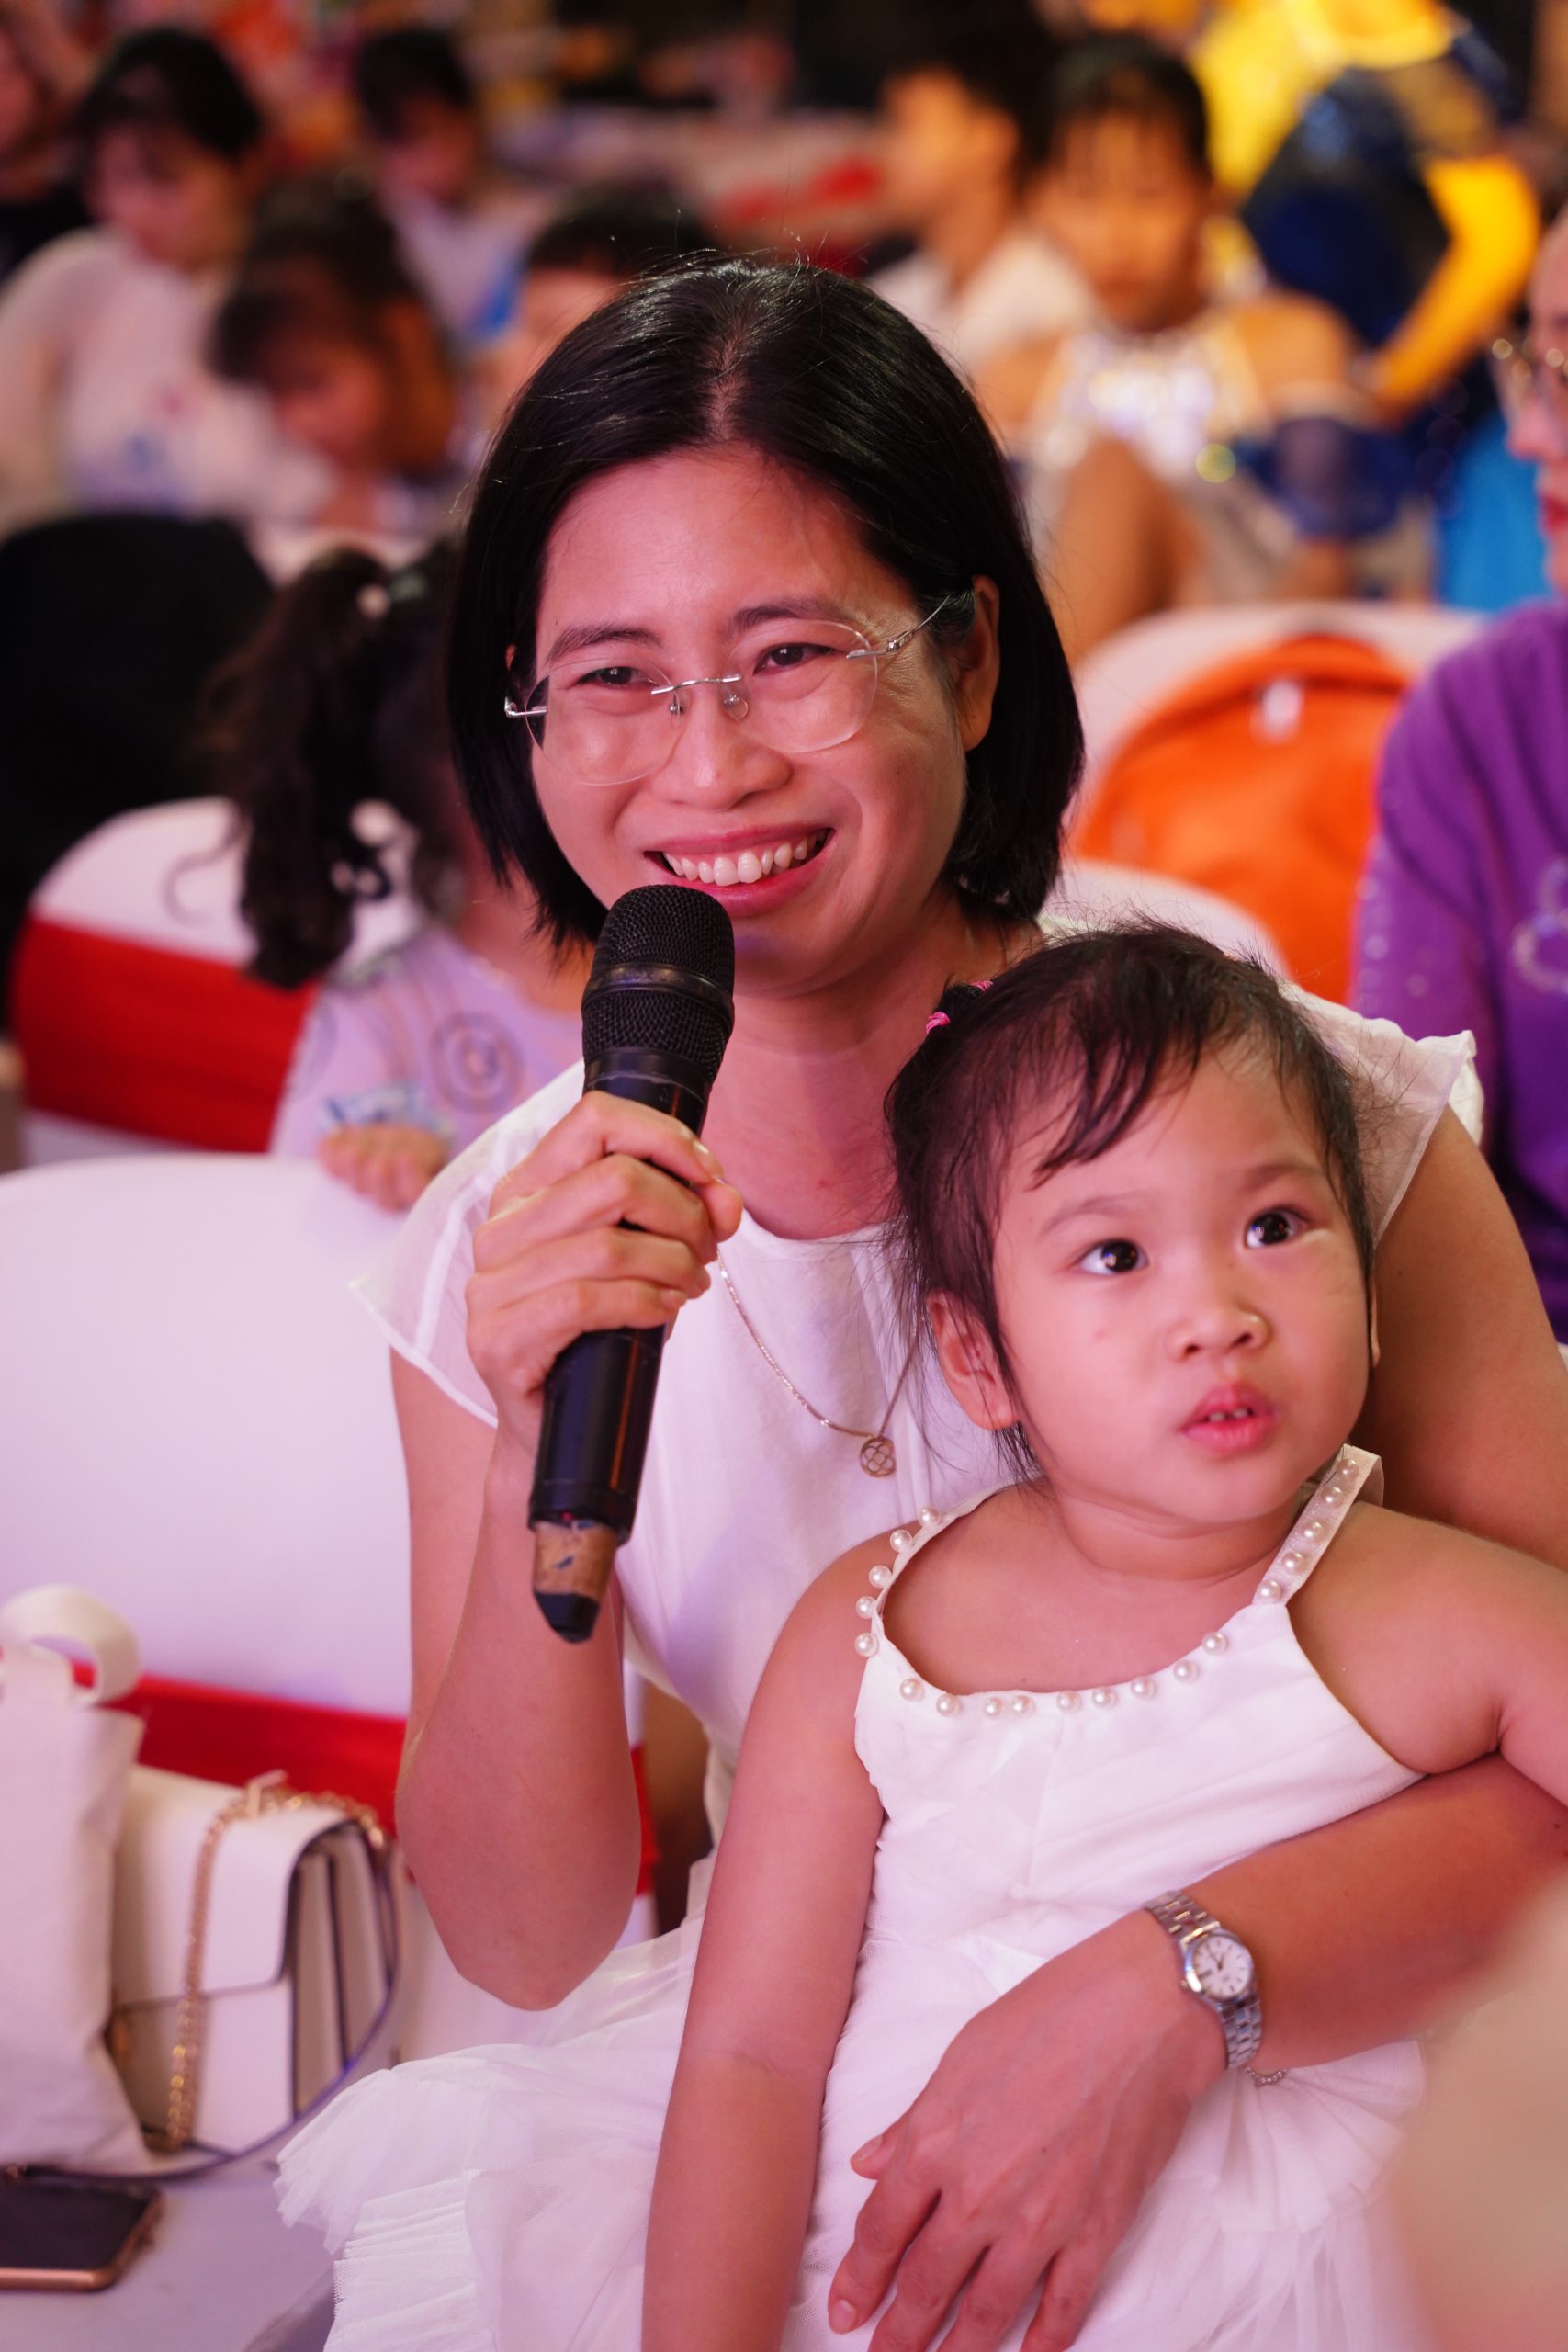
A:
{"x": 496, "y": 2200}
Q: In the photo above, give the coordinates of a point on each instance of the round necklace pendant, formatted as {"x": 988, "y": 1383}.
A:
{"x": 877, "y": 1458}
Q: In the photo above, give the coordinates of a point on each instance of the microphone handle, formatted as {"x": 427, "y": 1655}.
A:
{"x": 599, "y": 1400}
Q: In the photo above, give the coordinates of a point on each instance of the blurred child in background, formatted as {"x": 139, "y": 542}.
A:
{"x": 324, "y": 319}
{"x": 107, "y": 399}
{"x": 461, "y": 230}
{"x": 1184, "y": 449}
{"x": 596, "y": 244}
{"x": 406, "y": 1058}
{"x": 965, "y": 110}
{"x": 41, "y": 74}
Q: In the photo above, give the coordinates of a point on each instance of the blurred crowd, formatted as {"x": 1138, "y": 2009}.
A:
{"x": 1238, "y": 284}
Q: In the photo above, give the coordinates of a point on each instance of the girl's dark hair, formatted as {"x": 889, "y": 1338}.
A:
{"x": 822, "y": 377}
{"x": 170, "y": 80}
{"x": 1087, "y": 1028}
{"x": 997, "y": 51}
{"x": 1125, "y": 75}
{"x": 323, "y": 261}
{"x": 335, "y": 701}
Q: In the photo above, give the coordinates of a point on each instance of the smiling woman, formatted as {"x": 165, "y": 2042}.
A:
{"x": 714, "y": 446}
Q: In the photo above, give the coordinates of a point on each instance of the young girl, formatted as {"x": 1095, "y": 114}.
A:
{"x": 1133, "y": 1206}
{"x": 406, "y": 1058}
{"x": 1225, "y": 423}
{"x": 325, "y": 319}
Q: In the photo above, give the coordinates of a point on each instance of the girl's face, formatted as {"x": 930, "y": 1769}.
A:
{"x": 1128, "y": 207}
{"x": 1185, "y": 1315}
{"x": 176, "y": 202}
{"x": 334, "y": 396}
{"x": 668, "y": 565}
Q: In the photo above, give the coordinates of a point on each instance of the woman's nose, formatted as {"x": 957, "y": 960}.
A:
{"x": 715, "y": 758}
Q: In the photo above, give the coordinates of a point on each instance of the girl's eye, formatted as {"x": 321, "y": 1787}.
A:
{"x": 1273, "y": 1226}
{"x": 1112, "y": 1258}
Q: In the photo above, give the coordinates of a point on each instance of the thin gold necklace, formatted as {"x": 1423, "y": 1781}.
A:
{"x": 878, "y": 1456}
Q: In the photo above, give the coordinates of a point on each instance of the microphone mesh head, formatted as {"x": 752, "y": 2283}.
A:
{"x": 663, "y": 924}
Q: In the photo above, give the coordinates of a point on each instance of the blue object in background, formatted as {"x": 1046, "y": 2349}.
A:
{"x": 1490, "y": 552}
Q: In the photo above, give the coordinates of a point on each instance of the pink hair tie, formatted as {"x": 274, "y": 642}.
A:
{"x": 937, "y": 1021}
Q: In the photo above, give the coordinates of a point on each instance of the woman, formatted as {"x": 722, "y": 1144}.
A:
{"x": 763, "y": 473}
{"x": 1463, "y": 919}
{"x": 105, "y": 396}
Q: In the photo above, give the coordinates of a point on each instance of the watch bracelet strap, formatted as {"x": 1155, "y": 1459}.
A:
{"x": 1241, "y": 2019}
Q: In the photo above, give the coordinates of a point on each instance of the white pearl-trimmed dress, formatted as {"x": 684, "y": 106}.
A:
{"x": 496, "y": 2200}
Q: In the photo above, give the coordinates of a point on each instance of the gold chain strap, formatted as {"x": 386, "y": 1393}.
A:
{"x": 268, "y": 1794}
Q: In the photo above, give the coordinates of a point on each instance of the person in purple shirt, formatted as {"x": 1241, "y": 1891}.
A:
{"x": 1463, "y": 915}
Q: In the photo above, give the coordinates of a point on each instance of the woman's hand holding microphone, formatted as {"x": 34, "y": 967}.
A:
{"x": 610, "y": 1222}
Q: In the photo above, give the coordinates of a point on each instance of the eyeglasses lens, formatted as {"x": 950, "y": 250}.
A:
{"x": 610, "y": 722}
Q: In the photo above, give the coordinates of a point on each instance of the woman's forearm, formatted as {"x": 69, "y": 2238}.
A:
{"x": 731, "y": 2200}
{"x": 1368, "y": 1930}
{"x": 517, "y": 1806}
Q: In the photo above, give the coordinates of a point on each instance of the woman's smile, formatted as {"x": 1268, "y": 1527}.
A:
{"x": 735, "y": 866}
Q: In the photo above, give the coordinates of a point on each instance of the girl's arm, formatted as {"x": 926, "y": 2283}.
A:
{"x": 774, "y": 1972}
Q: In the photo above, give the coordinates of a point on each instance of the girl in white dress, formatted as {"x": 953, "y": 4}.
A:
{"x": 752, "y": 470}
{"x": 1134, "y": 1198}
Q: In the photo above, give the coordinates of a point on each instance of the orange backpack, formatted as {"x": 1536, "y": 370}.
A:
{"x": 1256, "y": 780}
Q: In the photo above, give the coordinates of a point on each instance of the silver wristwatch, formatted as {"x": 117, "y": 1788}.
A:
{"x": 1217, "y": 1967}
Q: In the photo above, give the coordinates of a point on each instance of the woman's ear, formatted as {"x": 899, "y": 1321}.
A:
{"x": 978, "y": 665}
{"x": 1373, "y": 1325}
{"x": 969, "y": 1365}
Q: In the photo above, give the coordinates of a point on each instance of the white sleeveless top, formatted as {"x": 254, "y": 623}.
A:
{"x": 745, "y": 1498}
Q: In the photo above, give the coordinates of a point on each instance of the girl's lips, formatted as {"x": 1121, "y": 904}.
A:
{"x": 1232, "y": 1421}
{"x": 1553, "y": 513}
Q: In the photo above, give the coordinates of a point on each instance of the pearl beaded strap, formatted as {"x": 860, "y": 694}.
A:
{"x": 1317, "y": 1522}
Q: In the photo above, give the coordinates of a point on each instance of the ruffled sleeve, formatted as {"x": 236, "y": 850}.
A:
{"x": 417, "y": 1292}
{"x": 1412, "y": 1081}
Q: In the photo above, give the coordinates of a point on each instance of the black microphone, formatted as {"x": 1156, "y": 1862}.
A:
{"x": 657, "y": 1015}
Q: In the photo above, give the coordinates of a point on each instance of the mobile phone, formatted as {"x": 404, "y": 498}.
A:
{"x": 72, "y": 2233}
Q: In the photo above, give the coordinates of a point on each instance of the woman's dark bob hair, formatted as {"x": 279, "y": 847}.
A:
{"x": 819, "y": 376}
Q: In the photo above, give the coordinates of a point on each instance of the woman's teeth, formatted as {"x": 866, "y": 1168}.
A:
{"x": 750, "y": 866}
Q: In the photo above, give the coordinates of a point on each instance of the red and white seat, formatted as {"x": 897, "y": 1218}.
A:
{"x": 136, "y": 1022}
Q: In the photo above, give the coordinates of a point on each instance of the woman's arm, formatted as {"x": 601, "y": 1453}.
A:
{"x": 1469, "y": 1404}
{"x": 517, "y": 1804}
{"x": 774, "y": 1972}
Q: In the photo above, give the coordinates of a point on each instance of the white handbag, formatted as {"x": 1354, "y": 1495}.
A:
{"x": 254, "y": 1954}
{"x": 252, "y": 1935}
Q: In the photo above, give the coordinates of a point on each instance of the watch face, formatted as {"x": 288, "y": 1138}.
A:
{"x": 1222, "y": 1966}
